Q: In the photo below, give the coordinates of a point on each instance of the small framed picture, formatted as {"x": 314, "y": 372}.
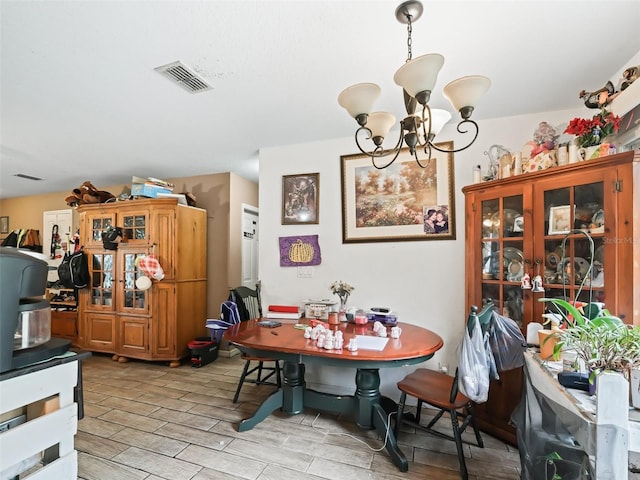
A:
{"x": 518, "y": 224}
{"x": 300, "y": 198}
{"x": 4, "y": 224}
{"x": 559, "y": 219}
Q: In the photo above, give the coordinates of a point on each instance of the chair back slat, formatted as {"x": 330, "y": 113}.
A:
{"x": 251, "y": 304}
{"x": 248, "y": 301}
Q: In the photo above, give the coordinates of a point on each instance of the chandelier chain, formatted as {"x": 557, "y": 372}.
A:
{"x": 409, "y": 39}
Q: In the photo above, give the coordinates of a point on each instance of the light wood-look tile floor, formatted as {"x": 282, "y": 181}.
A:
{"x": 148, "y": 421}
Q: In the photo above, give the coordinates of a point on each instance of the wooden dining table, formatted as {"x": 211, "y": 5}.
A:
{"x": 366, "y": 405}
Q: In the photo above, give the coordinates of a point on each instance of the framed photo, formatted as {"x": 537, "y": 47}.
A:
{"x": 559, "y": 219}
{"x": 300, "y": 198}
{"x": 402, "y": 202}
{"x": 4, "y": 224}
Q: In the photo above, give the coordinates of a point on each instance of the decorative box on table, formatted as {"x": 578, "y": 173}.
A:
{"x": 319, "y": 308}
{"x": 389, "y": 319}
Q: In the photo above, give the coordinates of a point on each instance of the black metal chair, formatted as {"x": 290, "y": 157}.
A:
{"x": 440, "y": 390}
{"x": 250, "y": 307}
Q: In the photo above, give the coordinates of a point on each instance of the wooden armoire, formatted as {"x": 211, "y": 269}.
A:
{"x": 117, "y": 314}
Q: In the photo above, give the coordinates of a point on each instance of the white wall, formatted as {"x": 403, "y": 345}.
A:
{"x": 422, "y": 281}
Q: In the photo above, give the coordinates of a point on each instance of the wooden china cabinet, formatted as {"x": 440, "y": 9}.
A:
{"x": 554, "y": 223}
{"x": 116, "y": 316}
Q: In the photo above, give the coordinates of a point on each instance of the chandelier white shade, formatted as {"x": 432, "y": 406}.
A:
{"x": 380, "y": 123}
{"x": 419, "y": 74}
{"x": 439, "y": 119}
{"x": 359, "y": 98}
{"x": 418, "y": 78}
{"x": 466, "y": 91}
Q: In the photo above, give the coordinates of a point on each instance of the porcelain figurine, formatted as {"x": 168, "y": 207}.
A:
{"x": 328, "y": 343}
{"x": 307, "y": 332}
{"x": 537, "y": 284}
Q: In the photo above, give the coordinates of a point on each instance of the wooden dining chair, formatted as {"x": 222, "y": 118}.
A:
{"x": 440, "y": 390}
{"x": 250, "y": 307}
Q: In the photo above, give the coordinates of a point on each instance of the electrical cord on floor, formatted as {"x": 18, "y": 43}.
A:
{"x": 386, "y": 436}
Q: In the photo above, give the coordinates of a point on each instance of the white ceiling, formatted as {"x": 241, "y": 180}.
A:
{"x": 80, "y": 99}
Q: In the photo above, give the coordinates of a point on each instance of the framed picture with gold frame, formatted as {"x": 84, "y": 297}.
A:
{"x": 402, "y": 202}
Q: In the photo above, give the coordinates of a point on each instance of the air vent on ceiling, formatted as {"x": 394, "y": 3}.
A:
{"x": 28, "y": 177}
{"x": 183, "y": 76}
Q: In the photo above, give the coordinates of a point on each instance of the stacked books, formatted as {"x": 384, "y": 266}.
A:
{"x": 284, "y": 311}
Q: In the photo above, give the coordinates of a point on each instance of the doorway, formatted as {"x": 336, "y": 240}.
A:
{"x": 250, "y": 244}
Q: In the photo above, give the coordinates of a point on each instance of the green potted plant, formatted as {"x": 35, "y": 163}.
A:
{"x": 600, "y": 339}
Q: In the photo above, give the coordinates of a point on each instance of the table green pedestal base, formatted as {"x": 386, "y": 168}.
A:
{"x": 366, "y": 406}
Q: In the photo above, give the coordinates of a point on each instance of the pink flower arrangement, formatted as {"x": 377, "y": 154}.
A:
{"x": 592, "y": 132}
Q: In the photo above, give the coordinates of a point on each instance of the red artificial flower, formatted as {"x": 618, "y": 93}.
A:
{"x": 592, "y": 131}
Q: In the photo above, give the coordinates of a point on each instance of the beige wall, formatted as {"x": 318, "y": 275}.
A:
{"x": 26, "y": 212}
{"x": 212, "y": 193}
{"x": 221, "y": 194}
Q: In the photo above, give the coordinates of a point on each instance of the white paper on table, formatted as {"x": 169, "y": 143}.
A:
{"x": 367, "y": 342}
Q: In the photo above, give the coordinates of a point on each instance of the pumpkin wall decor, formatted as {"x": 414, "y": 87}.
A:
{"x": 299, "y": 251}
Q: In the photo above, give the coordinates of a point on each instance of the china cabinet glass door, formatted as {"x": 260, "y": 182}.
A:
{"x": 503, "y": 262}
{"x": 573, "y": 252}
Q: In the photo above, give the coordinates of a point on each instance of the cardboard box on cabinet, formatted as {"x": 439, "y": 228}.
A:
{"x": 147, "y": 190}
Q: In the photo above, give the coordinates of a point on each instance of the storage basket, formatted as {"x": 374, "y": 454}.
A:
{"x": 203, "y": 351}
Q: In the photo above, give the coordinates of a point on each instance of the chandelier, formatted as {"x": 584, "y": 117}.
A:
{"x": 417, "y": 77}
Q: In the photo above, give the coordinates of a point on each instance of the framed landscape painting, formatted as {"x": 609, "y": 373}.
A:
{"x": 402, "y": 202}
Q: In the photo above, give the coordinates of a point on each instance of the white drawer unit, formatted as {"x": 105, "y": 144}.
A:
{"x": 42, "y": 446}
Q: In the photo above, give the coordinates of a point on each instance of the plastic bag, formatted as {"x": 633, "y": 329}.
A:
{"x": 507, "y": 343}
{"x": 473, "y": 369}
{"x": 491, "y": 363}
